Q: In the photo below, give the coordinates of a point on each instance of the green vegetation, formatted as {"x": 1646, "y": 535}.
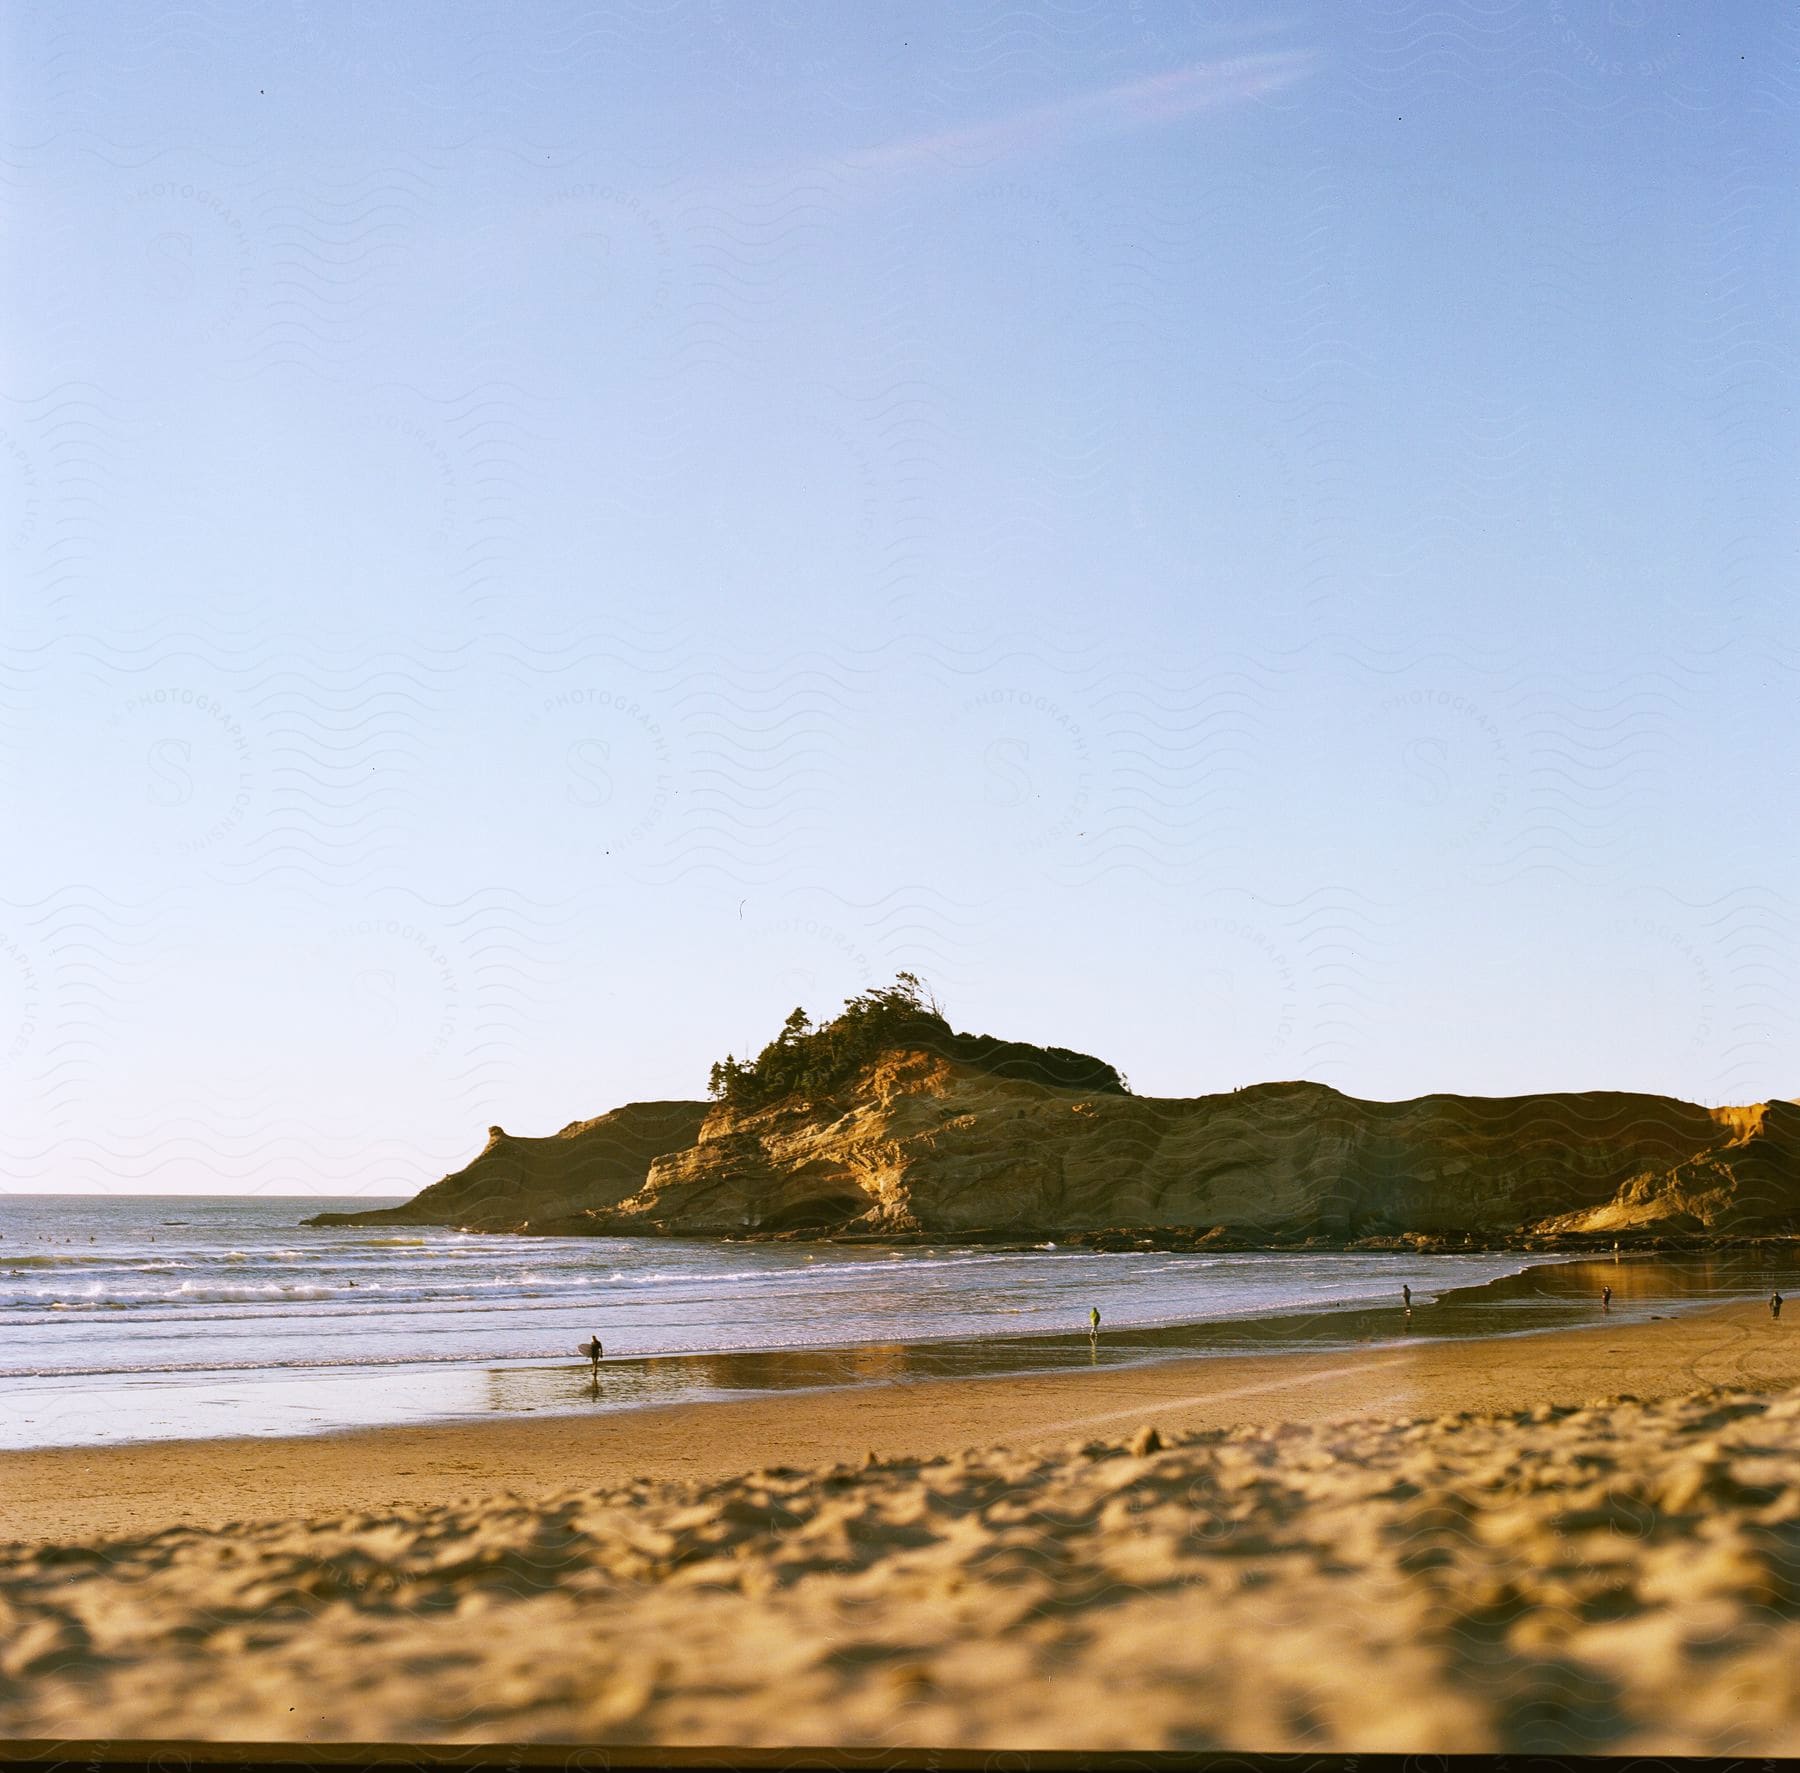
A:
{"x": 816, "y": 1061}
{"x": 819, "y": 1061}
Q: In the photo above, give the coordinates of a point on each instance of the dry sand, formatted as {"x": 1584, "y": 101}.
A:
{"x": 1623, "y": 1578}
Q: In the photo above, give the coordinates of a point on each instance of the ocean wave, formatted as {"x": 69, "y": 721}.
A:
{"x": 246, "y": 1294}
{"x": 553, "y": 1351}
{"x": 876, "y": 1294}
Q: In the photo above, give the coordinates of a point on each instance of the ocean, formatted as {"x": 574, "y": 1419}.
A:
{"x": 158, "y": 1316}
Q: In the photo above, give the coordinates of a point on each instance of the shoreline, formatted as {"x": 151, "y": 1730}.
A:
{"x": 92, "y": 1492}
{"x": 1533, "y": 1295}
{"x": 1217, "y": 1240}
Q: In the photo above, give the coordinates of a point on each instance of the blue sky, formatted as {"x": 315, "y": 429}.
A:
{"x": 1256, "y": 543}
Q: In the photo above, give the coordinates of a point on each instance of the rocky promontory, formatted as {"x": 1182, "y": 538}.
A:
{"x": 884, "y": 1123}
{"x": 590, "y": 1164}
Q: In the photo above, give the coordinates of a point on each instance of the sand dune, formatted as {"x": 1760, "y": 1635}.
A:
{"x": 1621, "y": 1578}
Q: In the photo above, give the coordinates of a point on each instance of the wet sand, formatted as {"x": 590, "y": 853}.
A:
{"x": 73, "y": 1494}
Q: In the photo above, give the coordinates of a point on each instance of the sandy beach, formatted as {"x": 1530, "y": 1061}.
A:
{"x": 1450, "y": 1546}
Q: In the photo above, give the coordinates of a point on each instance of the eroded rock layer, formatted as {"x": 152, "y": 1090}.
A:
{"x": 922, "y": 1143}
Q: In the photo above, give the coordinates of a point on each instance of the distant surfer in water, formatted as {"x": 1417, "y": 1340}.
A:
{"x": 1606, "y": 1298}
{"x": 593, "y": 1351}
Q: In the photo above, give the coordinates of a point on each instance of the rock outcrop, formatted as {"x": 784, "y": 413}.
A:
{"x": 589, "y": 1164}
{"x": 926, "y": 1146}
{"x": 921, "y": 1143}
{"x": 1747, "y": 1178}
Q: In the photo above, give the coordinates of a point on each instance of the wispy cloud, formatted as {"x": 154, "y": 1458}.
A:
{"x": 1156, "y": 100}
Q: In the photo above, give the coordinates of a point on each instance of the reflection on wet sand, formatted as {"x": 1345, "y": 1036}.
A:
{"x": 686, "y": 1378}
{"x": 1548, "y": 1297}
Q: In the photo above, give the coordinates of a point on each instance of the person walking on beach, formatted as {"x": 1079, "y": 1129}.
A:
{"x": 1606, "y": 1298}
{"x": 593, "y": 1351}
{"x": 1775, "y": 1305}
{"x": 1406, "y": 1294}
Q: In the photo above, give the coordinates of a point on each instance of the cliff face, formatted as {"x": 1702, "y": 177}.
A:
{"x": 1746, "y": 1179}
{"x": 923, "y": 1143}
{"x": 590, "y": 1163}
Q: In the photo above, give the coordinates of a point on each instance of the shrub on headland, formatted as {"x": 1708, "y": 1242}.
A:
{"x": 818, "y": 1061}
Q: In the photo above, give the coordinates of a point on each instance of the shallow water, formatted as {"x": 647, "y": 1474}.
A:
{"x": 131, "y": 1319}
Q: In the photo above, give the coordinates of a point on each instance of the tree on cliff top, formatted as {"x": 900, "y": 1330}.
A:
{"x": 815, "y": 1061}
{"x": 819, "y": 1061}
